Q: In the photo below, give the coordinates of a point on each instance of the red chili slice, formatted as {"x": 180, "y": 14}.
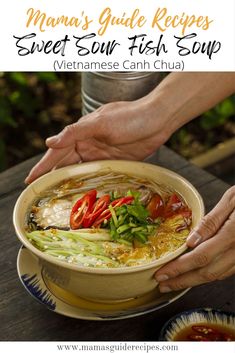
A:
{"x": 155, "y": 207}
{"x": 197, "y": 337}
{"x": 209, "y": 332}
{"x": 99, "y": 206}
{"x": 204, "y": 329}
{"x": 227, "y": 337}
{"x": 122, "y": 201}
{"x": 106, "y": 214}
{"x": 81, "y": 208}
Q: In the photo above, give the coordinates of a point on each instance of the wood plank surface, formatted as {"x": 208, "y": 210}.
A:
{"x": 22, "y": 318}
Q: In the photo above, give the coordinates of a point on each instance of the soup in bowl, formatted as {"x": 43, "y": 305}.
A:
{"x": 102, "y": 229}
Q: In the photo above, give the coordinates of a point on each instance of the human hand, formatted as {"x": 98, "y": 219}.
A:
{"x": 119, "y": 130}
{"x": 213, "y": 254}
{"x": 134, "y": 130}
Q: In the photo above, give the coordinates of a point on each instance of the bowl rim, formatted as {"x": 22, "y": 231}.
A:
{"x": 119, "y": 270}
{"x": 205, "y": 311}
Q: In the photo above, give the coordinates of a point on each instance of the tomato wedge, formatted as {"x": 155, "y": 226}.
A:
{"x": 81, "y": 208}
{"x": 175, "y": 206}
{"x": 155, "y": 207}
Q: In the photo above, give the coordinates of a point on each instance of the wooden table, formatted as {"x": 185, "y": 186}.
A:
{"x": 22, "y": 318}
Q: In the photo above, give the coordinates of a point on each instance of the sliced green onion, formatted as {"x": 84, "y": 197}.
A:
{"x": 125, "y": 242}
{"x": 141, "y": 237}
{"x": 114, "y": 216}
{"x": 123, "y": 228}
{"x": 137, "y": 229}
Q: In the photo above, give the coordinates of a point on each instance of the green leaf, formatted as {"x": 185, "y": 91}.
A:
{"x": 47, "y": 76}
{"x": 138, "y": 211}
{"x": 25, "y": 102}
{"x": 19, "y": 77}
{"x": 5, "y": 113}
{"x": 218, "y": 115}
{"x": 226, "y": 108}
{"x": 14, "y": 97}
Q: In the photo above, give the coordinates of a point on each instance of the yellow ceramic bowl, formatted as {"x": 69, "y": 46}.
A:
{"x": 104, "y": 284}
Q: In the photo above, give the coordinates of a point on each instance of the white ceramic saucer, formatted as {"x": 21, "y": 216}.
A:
{"x": 57, "y": 299}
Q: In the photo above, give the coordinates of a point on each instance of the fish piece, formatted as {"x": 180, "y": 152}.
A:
{"x": 52, "y": 213}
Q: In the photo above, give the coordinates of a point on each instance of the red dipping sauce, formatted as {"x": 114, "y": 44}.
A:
{"x": 206, "y": 333}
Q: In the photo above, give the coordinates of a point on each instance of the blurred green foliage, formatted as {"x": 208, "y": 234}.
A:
{"x": 211, "y": 128}
{"x": 20, "y": 97}
{"x": 32, "y": 107}
{"x": 218, "y": 115}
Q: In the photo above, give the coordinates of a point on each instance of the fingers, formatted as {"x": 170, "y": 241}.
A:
{"x": 59, "y": 156}
{"x": 202, "y": 255}
{"x": 212, "y": 259}
{"x": 51, "y": 158}
{"x": 213, "y": 221}
{"x": 73, "y": 133}
{"x": 59, "y": 147}
{"x": 71, "y": 158}
{"x": 92, "y": 149}
{"x": 199, "y": 257}
{"x": 65, "y": 138}
{"x": 218, "y": 269}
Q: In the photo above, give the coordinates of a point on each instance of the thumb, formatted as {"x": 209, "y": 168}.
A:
{"x": 213, "y": 221}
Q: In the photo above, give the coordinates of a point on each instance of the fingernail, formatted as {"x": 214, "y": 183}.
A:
{"x": 161, "y": 278}
{"x": 165, "y": 289}
{"x": 26, "y": 181}
{"x": 51, "y": 139}
{"x": 194, "y": 238}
